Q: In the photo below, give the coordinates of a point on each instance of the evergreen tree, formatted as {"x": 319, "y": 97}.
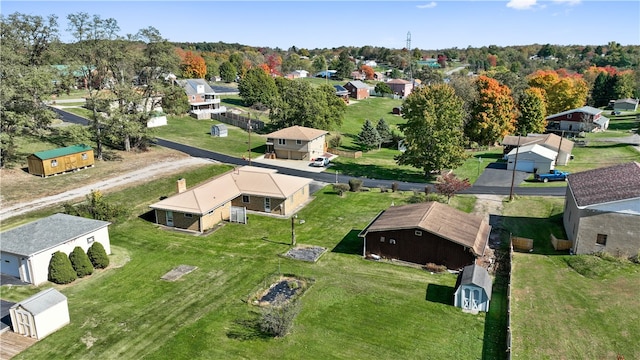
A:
{"x": 98, "y": 256}
{"x": 80, "y": 262}
{"x": 384, "y": 131}
{"x": 345, "y": 66}
{"x": 60, "y": 269}
{"x": 368, "y": 138}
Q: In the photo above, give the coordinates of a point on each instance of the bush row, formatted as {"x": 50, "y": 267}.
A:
{"x": 65, "y": 269}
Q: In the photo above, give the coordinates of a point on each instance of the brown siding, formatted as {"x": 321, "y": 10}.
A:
{"x": 64, "y": 163}
{"x": 256, "y": 203}
{"x": 427, "y": 248}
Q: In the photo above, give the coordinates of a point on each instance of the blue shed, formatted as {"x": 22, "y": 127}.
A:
{"x": 473, "y": 289}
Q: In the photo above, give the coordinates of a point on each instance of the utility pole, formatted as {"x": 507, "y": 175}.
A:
{"x": 249, "y": 128}
{"x": 513, "y": 173}
{"x": 559, "y": 147}
{"x": 293, "y": 230}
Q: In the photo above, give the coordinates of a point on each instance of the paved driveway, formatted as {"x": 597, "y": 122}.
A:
{"x": 496, "y": 174}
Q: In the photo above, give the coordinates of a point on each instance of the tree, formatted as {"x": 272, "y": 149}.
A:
{"x": 257, "y": 87}
{"x": 80, "y": 262}
{"x": 384, "y": 131}
{"x": 368, "y": 138}
{"x": 228, "y": 72}
{"x": 434, "y": 135}
{"x": 344, "y": 66}
{"x": 561, "y": 92}
{"x": 383, "y": 88}
{"x": 98, "y": 256}
{"x": 175, "y": 100}
{"x": 429, "y": 76}
{"x": 368, "y": 71}
{"x": 492, "y": 113}
{"x": 193, "y": 66}
{"x": 448, "y": 185}
{"x": 532, "y": 112}
{"x": 60, "y": 269}
{"x": 319, "y": 64}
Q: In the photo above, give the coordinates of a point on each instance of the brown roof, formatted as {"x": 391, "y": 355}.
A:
{"x": 551, "y": 141}
{"x": 454, "y": 225}
{"x": 398, "y": 81}
{"x": 297, "y": 133}
{"x": 247, "y": 180}
{"x": 603, "y": 185}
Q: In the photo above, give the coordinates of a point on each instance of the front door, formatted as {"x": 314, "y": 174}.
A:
{"x": 267, "y": 205}
{"x": 25, "y": 325}
{"x": 169, "y": 218}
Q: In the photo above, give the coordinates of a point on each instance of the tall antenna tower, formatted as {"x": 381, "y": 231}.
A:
{"x": 409, "y": 40}
{"x": 409, "y": 50}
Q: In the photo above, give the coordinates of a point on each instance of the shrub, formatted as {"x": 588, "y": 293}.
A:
{"x": 394, "y": 187}
{"x": 277, "y": 320}
{"x": 435, "y": 268}
{"x": 335, "y": 141}
{"x": 98, "y": 256}
{"x": 341, "y": 188}
{"x": 355, "y": 185}
{"x": 60, "y": 269}
{"x": 80, "y": 262}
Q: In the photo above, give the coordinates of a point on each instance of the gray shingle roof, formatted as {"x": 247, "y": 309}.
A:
{"x": 358, "y": 84}
{"x": 46, "y": 233}
{"x": 603, "y": 185}
{"x": 475, "y": 275}
{"x": 191, "y": 86}
{"x": 41, "y": 301}
{"x": 585, "y": 109}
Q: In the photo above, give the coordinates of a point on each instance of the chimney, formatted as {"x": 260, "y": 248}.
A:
{"x": 182, "y": 185}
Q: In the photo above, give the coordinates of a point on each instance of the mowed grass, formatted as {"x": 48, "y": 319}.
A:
{"x": 355, "y": 308}
{"x": 568, "y": 307}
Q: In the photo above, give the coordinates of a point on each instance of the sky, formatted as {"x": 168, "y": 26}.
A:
{"x": 427, "y": 25}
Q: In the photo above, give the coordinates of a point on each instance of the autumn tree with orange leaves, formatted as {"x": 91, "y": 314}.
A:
{"x": 493, "y": 112}
{"x": 562, "y": 91}
{"x": 193, "y": 66}
{"x": 368, "y": 71}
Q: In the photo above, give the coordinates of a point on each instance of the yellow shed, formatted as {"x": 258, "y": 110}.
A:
{"x": 61, "y": 160}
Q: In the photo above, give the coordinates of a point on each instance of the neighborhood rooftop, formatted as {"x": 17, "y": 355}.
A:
{"x": 46, "y": 233}
{"x": 54, "y": 153}
{"x": 297, "y": 133}
{"x": 604, "y": 185}
{"x": 585, "y": 109}
{"x": 550, "y": 140}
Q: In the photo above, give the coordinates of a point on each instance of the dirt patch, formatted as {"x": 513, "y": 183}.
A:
{"x": 178, "y": 272}
{"x": 305, "y": 253}
{"x": 282, "y": 291}
{"x": 490, "y": 206}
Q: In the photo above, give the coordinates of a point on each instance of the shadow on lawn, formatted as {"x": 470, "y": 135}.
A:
{"x": 350, "y": 244}
{"x": 247, "y": 329}
{"x": 440, "y": 294}
{"x": 380, "y": 172}
{"x": 538, "y": 229}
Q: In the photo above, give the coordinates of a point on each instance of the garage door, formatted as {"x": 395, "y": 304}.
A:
{"x": 525, "y": 165}
{"x": 10, "y": 265}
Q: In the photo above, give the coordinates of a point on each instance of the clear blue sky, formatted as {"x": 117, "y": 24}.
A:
{"x": 327, "y": 24}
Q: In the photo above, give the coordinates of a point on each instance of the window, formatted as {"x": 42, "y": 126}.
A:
{"x": 392, "y": 241}
{"x": 90, "y": 240}
{"x": 418, "y": 233}
{"x": 193, "y": 97}
{"x": 569, "y": 116}
{"x": 84, "y": 156}
{"x": 188, "y": 215}
{"x": 54, "y": 163}
{"x": 282, "y": 141}
{"x": 381, "y": 238}
{"x": 245, "y": 198}
{"x": 601, "y": 239}
{"x": 298, "y": 142}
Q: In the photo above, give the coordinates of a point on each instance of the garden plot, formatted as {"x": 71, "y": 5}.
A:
{"x": 281, "y": 292}
{"x": 305, "y": 253}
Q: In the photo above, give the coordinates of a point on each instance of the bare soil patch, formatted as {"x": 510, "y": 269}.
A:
{"x": 305, "y": 253}
{"x": 178, "y": 272}
{"x": 282, "y": 291}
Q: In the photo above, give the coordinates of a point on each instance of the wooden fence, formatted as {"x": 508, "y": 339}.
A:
{"x": 523, "y": 244}
{"x": 347, "y": 154}
{"x": 238, "y": 121}
{"x": 510, "y": 271}
{"x": 561, "y": 244}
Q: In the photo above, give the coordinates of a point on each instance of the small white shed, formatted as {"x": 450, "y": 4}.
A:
{"x": 219, "y": 130}
{"x": 473, "y": 289}
{"x": 41, "y": 314}
{"x": 532, "y": 158}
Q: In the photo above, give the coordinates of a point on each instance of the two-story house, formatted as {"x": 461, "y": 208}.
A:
{"x": 297, "y": 143}
{"x": 400, "y": 87}
{"x": 203, "y": 99}
{"x": 586, "y": 118}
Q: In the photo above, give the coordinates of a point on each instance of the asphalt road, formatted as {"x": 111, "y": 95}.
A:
{"x": 331, "y": 178}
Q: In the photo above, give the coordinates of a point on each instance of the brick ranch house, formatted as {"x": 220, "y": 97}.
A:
{"x": 257, "y": 189}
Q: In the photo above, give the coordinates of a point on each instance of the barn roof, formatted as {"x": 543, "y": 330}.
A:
{"x": 469, "y": 230}
{"x": 475, "y": 275}
{"x": 54, "y": 153}
{"x": 607, "y": 184}
{"x": 297, "y": 133}
{"x": 46, "y": 233}
{"x": 41, "y": 301}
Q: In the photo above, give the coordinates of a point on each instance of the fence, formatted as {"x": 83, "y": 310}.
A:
{"x": 347, "y": 154}
{"x": 238, "y": 121}
{"x": 509, "y": 272}
{"x": 561, "y": 244}
{"x": 520, "y": 243}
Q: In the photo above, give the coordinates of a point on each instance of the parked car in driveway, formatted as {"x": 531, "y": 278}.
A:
{"x": 553, "y": 175}
{"x": 320, "y": 161}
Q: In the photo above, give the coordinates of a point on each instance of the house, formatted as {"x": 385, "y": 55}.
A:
{"x": 60, "y": 160}
{"x": 533, "y": 158}
{"x": 602, "y": 210}
{"x": 400, "y": 87}
{"x": 256, "y": 189}
{"x": 559, "y": 144}
{"x": 26, "y": 250}
{"x": 202, "y": 98}
{"x": 327, "y": 74}
{"x": 219, "y": 130}
{"x": 300, "y": 74}
{"x": 370, "y": 63}
{"x": 378, "y": 76}
{"x": 586, "y": 118}
{"x": 40, "y": 315}
{"x": 625, "y": 105}
{"x": 428, "y": 232}
{"x": 473, "y": 289}
{"x": 297, "y": 143}
{"x": 357, "y": 89}
{"x": 342, "y": 93}
{"x": 357, "y": 75}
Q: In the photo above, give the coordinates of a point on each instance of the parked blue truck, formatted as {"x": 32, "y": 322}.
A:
{"x": 553, "y": 175}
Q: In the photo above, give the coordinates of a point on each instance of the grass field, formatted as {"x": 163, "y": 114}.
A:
{"x": 568, "y": 307}
{"x": 354, "y": 309}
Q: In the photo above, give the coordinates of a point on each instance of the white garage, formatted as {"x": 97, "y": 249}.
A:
{"x": 532, "y": 158}
{"x": 26, "y": 250}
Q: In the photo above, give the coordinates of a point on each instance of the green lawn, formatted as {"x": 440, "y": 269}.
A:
{"x": 568, "y": 307}
{"x": 354, "y": 309}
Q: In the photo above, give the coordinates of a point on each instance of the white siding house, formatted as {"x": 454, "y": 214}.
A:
{"x": 532, "y": 158}
{"x": 41, "y": 314}
{"x": 25, "y": 251}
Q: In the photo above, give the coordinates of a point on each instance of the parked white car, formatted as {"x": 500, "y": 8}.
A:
{"x": 320, "y": 161}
